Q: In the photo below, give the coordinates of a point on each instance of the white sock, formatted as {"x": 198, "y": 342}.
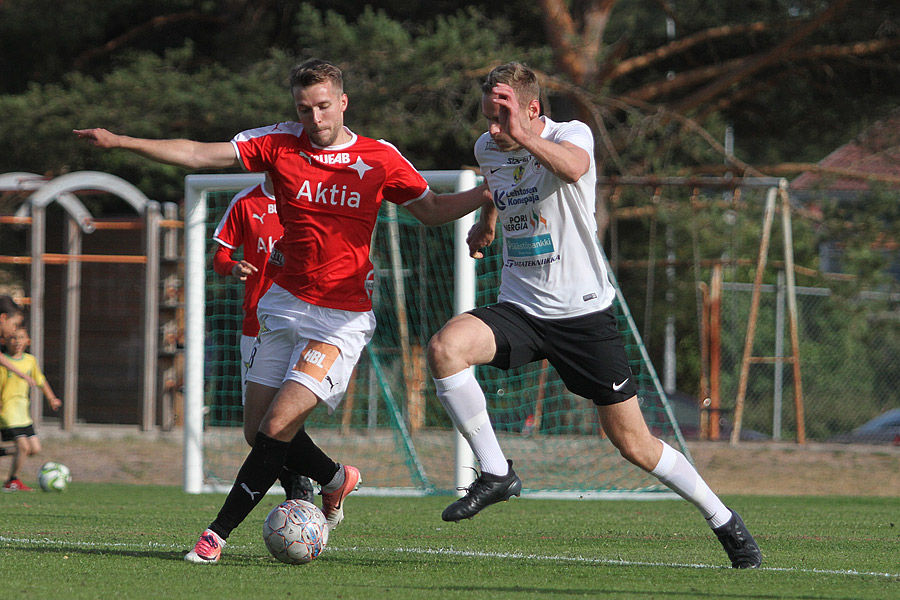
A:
{"x": 336, "y": 482}
{"x": 677, "y": 473}
{"x": 464, "y": 401}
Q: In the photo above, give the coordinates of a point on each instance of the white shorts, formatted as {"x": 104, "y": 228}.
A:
{"x": 316, "y": 347}
{"x": 246, "y": 351}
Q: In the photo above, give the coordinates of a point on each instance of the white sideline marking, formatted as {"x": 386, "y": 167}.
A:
{"x": 452, "y": 552}
{"x": 600, "y": 561}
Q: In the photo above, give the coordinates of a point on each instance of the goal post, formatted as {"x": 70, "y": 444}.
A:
{"x": 196, "y": 237}
{"x": 390, "y": 424}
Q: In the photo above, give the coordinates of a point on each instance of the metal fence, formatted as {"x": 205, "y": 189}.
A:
{"x": 849, "y": 348}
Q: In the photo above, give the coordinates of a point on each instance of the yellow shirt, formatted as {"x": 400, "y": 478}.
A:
{"x": 15, "y": 402}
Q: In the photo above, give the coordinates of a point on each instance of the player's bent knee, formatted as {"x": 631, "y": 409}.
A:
{"x": 636, "y": 451}
{"x": 449, "y": 352}
{"x": 439, "y": 352}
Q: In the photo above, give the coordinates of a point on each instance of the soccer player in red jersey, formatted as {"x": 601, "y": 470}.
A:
{"x": 317, "y": 316}
{"x": 251, "y": 222}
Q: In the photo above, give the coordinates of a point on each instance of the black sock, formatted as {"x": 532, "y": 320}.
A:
{"x": 306, "y": 458}
{"x": 257, "y": 474}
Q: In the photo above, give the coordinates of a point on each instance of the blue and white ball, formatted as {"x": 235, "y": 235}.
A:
{"x": 295, "y": 532}
{"x": 54, "y": 477}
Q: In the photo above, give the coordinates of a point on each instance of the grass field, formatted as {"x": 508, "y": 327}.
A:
{"x": 108, "y": 541}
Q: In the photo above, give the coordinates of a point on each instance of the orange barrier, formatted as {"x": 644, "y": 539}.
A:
{"x": 61, "y": 259}
{"x": 12, "y": 220}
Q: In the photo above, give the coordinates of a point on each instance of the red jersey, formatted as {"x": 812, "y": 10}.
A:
{"x": 251, "y": 221}
{"x": 328, "y": 201}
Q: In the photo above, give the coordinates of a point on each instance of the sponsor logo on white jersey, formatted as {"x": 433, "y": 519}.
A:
{"x": 518, "y": 196}
{"x": 518, "y": 160}
{"x": 525, "y": 222}
{"x": 539, "y": 262}
{"x": 529, "y": 246}
{"x": 518, "y": 172}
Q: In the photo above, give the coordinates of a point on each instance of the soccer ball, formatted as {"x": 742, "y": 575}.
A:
{"x": 54, "y": 477}
{"x": 295, "y": 532}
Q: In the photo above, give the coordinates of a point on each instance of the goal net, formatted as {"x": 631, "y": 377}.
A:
{"x": 390, "y": 424}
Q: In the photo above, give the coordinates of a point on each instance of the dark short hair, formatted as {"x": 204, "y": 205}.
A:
{"x": 519, "y": 77}
{"x": 8, "y": 306}
{"x": 315, "y": 71}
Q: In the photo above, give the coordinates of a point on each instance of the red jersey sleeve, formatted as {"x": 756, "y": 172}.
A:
{"x": 403, "y": 182}
{"x": 258, "y": 149}
{"x": 230, "y": 230}
{"x": 222, "y": 261}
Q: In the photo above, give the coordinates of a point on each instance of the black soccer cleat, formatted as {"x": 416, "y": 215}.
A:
{"x": 738, "y": 543}
{"x": 296, "y": 486}
{"x": 487, "y": 489}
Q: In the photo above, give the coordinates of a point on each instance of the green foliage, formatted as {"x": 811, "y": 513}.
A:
{"x": 416, "y": 86}
{"x": 148, "y": 96}
{"x": 864, "y": 229}
{"x": 41, "y": 41}
{"x": 398, "y": 91}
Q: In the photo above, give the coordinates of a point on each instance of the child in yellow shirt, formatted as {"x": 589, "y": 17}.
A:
{"x": 11, "y": 318}
{"x": 16, "y": 424}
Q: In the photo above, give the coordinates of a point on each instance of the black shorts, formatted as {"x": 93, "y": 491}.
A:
{"x": 587, "y": 351}
{"x": 11, "y": 433}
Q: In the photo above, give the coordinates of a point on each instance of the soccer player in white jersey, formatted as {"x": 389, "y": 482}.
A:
{"x": 317, "y": 316}
{"x": 555, "y": 303}
{"x": 251, "y": 222}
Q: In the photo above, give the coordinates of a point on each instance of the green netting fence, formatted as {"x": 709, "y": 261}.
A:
{"x": 390, "y": 424}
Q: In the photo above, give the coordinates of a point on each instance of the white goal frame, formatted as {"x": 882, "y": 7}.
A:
{"x": 196, "y": 189}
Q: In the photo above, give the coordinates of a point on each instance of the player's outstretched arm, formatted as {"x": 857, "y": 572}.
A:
{"x": 482, "y": 233}
{"x": 437, "y": 209}
{"x": 183, "y": 153}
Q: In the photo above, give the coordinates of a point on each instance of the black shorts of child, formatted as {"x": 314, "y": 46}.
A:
{"x": 587, "y": 351}
{"x": 11, "y": 433}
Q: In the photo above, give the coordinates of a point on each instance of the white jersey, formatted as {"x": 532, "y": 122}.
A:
{"x": 552, "y": 267}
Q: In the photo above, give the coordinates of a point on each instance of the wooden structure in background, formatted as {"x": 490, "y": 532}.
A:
{"x": 794, "y": 358}
{"x": 153, "y": 312}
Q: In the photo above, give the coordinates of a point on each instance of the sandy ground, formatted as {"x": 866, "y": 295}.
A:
{"x": 125, "y": 455}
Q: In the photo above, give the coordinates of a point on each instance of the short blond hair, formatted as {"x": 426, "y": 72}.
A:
{"x": 519, "y": 77}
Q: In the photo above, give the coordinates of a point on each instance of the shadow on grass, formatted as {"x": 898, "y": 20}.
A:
{"x": 228, "y": 560}
{"x": 80, "y": 550}
{"x": 546, "y": 592}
